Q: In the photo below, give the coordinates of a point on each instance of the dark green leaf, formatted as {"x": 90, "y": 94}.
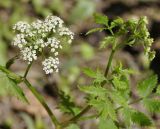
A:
{"x": 66, "y": 105}
{"x": 141, "y": 119}
{"x": 146, "y": 87}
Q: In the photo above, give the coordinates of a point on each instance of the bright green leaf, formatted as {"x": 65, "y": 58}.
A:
{"x": 101, "y": 19}
{"x": 107, "y": 41}
{"x": 120, "y": 84}
{"x": 73, "y": 126}
{"x": 117, "y": 22}
{"x": 93, "y": 90}
{"x": 89, "y": 72}
{"x": 146, "y": 87}
{"x": 153, "y": 105}
{"x": 106, "y": 124}
{"x": 94, "y": 30}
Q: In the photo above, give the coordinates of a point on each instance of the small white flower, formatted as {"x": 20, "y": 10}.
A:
{"x": 50, "y": 65}
{"x": 19, "y": 40}
{"x": 29, "y": 54}
{"x": 22, "y": 27}
{"x": 40, "y": 37}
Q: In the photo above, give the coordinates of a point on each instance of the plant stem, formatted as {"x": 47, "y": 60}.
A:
{"x": 109, "y": 62}
{"x": 133, "y": 102}
{"x": 44, "y": 104}
{"x": 27, "y": 70}
{"x": 75, "y": 118}
{"x": 11, "y": 61}
{"x": 10, "y": 74}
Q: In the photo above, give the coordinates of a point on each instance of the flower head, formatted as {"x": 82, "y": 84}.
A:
{"x": 42, "y": 36}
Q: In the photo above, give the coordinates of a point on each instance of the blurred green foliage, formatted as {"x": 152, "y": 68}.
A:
{"x": 82, "y": 10}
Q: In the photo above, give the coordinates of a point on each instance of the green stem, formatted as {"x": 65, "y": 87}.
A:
{"x": 11, "y": 61}
{"x": 10, "y": 74}
{"x": 27, "y": 70}
{"x": 133, "y": 102}
{"x": 109, "y": 62}
{"x": 75, "y": 118}
{"x": 44, "y": 104}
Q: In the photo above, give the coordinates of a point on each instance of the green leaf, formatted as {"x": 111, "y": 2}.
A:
{"x": 104, "y": 106}
{"x": 73, "y": 126}
{"x": 66, "y": 105}
{"x": 153, "y": 105}
{"x": 120, "y": 84}
{"x": 93, "y": 90}
{"x": 126, "y": 114}
{"x": 117, "y": 22}
{"x": 107, "y": 41}
{"x": 11, "y": 87}
{"x": 101, "y": 19}
{"x": 146, "y": 87}
{"x": 106, "y": 124}
{"x": 110, "y": 109}
{"x": 118, "y": 98}
{"x": 158, "y": 90}
{"x": 140, "y": 119}
{"x": 89, "y": 72}
{"x": 95, "y": 30}
{"x": 99, "y": 77}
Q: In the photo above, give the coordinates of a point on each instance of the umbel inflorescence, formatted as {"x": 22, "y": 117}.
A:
{"x": 36, "y": 38}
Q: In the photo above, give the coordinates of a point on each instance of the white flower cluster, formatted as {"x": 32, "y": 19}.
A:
{"x": 41, "y": 37}
{"x": 50, "y": 64}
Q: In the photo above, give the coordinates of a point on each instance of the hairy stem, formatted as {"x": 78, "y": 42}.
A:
{"x": 42, "y": 101}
